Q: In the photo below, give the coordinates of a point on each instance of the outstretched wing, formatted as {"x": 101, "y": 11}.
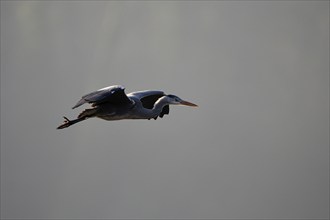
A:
{"x": 112, "y": 94}
{"x": 148, "y": 99}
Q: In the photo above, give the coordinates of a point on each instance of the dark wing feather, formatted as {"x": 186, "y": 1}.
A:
{"x": 111, "y": 94}
{"x": 165, "y": 111}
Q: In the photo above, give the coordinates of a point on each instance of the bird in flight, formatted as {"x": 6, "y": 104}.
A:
{"x": 111, "y": 103}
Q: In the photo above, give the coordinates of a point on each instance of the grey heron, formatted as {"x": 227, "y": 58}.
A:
{"x": 111, "y": 103}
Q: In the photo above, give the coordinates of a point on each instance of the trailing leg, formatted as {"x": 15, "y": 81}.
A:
{"x": 87, "y": 113}
{"x": 68, "y": 122}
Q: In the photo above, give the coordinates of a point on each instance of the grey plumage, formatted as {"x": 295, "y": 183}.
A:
{"x": 111, "y": 103}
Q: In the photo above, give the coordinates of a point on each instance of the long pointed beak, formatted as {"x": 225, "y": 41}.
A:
{"x": 188, "y": 104}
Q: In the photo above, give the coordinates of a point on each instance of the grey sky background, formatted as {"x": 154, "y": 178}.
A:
{"x": 257, "y": 147}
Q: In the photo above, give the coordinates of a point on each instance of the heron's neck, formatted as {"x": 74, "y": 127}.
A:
{"x": 158, "y": 106}
{"x": 144, "y": 113}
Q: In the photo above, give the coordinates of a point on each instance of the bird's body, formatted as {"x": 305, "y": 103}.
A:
{"x": 111, "y": 103}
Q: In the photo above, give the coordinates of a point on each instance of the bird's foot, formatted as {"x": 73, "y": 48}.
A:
{"x": 66, "y": 123}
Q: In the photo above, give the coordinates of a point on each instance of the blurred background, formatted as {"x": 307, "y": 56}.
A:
{"x": 257, "y": 146}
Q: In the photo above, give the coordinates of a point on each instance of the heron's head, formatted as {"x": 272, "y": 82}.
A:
{"x": 174, "y": 100}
